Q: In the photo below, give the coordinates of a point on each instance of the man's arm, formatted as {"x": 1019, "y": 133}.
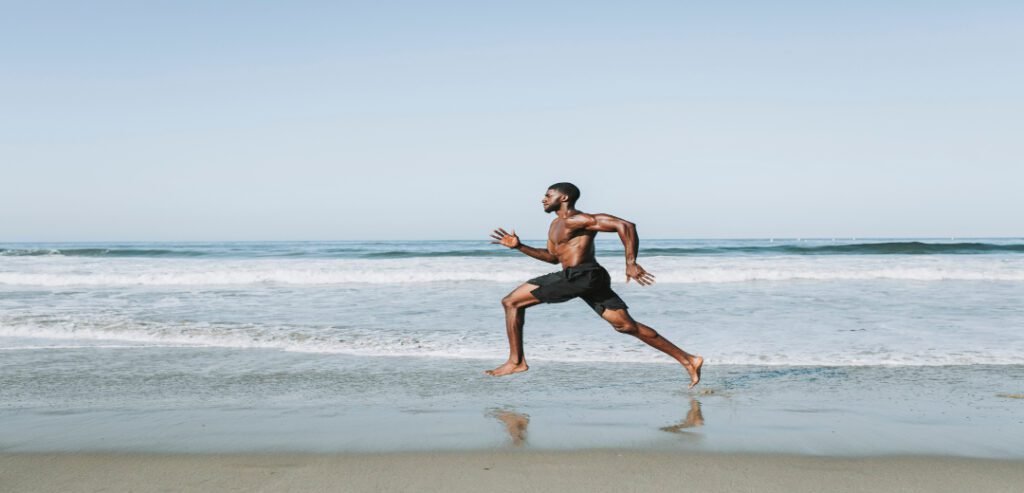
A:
{"x": 627, "y": 233}
{"x": 538, "y": 254}
{"x": 510, "y": 240}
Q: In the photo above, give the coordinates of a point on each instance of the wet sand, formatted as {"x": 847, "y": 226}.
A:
{"x": 203, "y": 420}
{"x": 583, "y": 471}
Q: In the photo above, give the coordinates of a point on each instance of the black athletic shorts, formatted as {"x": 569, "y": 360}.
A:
{"x": 588, "y": 281}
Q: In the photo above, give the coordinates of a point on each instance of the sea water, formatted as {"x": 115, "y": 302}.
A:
{"x": 123, "y": 333}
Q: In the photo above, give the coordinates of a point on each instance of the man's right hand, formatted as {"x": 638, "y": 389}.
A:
{"x": 505, "y": 238}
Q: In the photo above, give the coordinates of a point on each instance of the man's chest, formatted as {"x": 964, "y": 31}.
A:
{"x": 560, "y": 234}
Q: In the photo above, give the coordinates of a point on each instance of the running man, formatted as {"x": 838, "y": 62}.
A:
{"x": 571, "y": 243}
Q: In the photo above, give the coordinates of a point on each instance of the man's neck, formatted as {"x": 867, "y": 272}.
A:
{"x": 567, "y": 211}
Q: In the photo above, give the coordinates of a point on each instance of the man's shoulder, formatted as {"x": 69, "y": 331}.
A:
{"x": 579, "y": 220}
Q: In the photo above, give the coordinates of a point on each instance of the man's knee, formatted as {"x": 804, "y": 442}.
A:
{"x": 521, "y": 297}
{"x": 620, "y": 321}
{"x": 625, "y": 326}
{"x": 512, "y": 302}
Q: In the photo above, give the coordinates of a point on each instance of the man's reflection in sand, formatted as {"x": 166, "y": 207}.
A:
{"x": 694, "y": 419}
{"x": 515, "y": 424}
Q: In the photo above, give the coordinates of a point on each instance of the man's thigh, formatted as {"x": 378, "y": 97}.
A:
{"x": 522, "y": 296}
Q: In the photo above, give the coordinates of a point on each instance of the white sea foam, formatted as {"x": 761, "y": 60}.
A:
{"x": 90, "y": 346}
{"x": 806, "y": 310}
{"x": 250, "y": 277}
{"x": 465, "y": 346}
{"x": 39, "y": 271}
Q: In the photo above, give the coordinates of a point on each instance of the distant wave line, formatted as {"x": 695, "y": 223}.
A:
{"x": 881, "y": 248}
{"x": 100, "y": 252}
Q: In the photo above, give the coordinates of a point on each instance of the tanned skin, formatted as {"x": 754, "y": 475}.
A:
{"x": 571, "y": 243}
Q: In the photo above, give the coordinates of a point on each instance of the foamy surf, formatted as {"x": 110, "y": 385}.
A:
{"x": 477, "y": 344}
{"x": 241, "y": 272}
{"x": 736, "y": 302}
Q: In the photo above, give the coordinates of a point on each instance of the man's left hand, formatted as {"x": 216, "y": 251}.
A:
{"x": 638, "y": 274}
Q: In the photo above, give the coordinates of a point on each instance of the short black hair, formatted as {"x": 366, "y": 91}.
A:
{"x": 568, "y": 189}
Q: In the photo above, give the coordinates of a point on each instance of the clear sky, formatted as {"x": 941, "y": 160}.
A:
{"x": 297, "y": 120}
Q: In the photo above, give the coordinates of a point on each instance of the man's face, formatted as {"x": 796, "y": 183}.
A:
{"x": 552, "y": 200}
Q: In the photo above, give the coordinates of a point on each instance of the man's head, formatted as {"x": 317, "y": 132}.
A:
{"x": 559, "y": 193}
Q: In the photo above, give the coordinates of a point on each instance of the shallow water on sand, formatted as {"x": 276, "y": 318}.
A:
{"x": 216, "y": 400}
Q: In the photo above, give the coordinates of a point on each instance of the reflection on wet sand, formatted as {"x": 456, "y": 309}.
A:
{"x": 694, "y": 419}
{"x": 515, "y": 424}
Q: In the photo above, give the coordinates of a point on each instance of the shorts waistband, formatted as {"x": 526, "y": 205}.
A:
{"x": 584, "y": 266}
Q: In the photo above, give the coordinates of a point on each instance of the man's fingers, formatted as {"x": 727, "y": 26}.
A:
{"x": 642, "y": 279}
{"x": 641, "y": 276}
{"x": 502, "y": 231}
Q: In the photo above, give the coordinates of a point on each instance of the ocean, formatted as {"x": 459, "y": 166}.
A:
{"x": 94, "y": 335}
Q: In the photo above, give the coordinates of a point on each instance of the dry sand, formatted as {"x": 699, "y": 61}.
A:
{"x": 480, "y": 471}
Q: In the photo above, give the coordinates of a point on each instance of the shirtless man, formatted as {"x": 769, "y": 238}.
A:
{"x": 571, "y": 243}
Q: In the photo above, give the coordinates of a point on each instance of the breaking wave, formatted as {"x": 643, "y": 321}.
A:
{"x": 300, "y": 276}
{"x": 462, "y": 345}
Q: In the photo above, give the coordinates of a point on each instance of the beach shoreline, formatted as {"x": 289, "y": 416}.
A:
{"x": 502, "y": 470}
{"x": 359, "y": 366}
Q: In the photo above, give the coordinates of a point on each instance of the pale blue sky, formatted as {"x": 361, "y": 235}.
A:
{"x": 440, "y": 120}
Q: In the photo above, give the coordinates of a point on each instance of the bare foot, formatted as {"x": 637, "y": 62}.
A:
{"x": 693, "y": 368}
{"x": 508, "y": 368}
